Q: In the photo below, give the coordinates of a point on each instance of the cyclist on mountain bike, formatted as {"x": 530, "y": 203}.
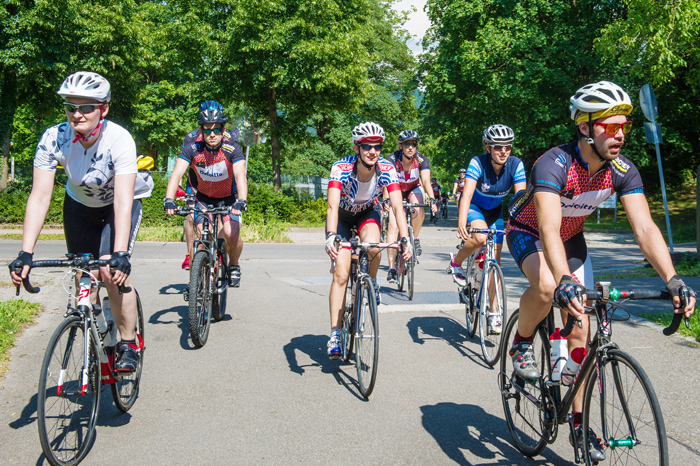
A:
{"x": 489, "y": 179}
{"x": 459, "y": 185}
{"x": 217, "y": 176}
{"x": 102, "y": 205}
{"x": 352, "y": 191}
{"x": 545, "y": 231}
{"x": 413, "y": 170}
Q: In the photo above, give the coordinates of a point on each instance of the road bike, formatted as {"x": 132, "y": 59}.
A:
{"x": 443, "y": 210}
{"x": 629, "y": 421}
{"x": 406, "y": 268}
{"x": 79, "y": 359}
{"x": 484, "y": 296}
{"x": 384, "y": 221}
{"x": 360, "y": 323}
{"x": 208, "y": 287}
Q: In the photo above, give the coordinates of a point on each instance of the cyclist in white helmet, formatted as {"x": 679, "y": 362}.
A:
{"x": 459, "y": 185}
{"x": 102, "y": 206}
{"x": 545, "y": 230}
{"x": 355, "y": 184}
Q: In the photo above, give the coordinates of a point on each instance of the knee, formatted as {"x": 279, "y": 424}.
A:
{"x": 340, "y": 277}
{"x": 545, "y": 290}
{"x": 481, "y": 240}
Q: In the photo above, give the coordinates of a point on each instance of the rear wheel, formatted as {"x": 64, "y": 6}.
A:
{"x": 68, "y": 397}
{"x": 200, "y": 299}
{"x": 470, "y": 310}
{"x": 218, "y": 301}
{"x": 522, "y": 401}
{"x": 624, "y": 412}
{"x": 367, "y": 337}
{"x": 125, "y": 390}
{"x": 492, "y": 311}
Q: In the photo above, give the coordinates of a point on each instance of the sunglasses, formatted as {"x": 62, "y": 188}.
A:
{"x": 501, "y": 148}
{"x": 212, "y": 130}
{"x": 377, "y": 147}
{"x": 612, "y": 128}
{"x": 410, "y": 144}
{"x": 82, "y": 108}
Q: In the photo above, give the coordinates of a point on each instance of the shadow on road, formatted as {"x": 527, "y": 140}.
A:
{"x": 180, "y": 317}
{"x": 460, "y": 427}
{"x": 447, "y": 329}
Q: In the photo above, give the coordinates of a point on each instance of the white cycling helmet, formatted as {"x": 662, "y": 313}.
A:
{"x": 498, "y": 134}
{"x": 367, "y": 132}
{"x": 87, "y": 85}
{"x": 600, "y": 100}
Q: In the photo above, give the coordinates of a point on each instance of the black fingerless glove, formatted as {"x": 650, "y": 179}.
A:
{"x": 169, "y": 204}
{"x": 676, "y": 286}
{"x": 24, "y": 258}
{"x": 567, "y": 290}
{"x": 240, "y": 205}
{"x": 120, "y": 261}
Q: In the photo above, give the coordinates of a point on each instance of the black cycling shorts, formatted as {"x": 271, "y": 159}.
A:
{"x": 90, "y": 230}
{"x": 348, "y": 220}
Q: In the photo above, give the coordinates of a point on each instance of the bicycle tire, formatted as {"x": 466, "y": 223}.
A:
{"x": 219, "y": 301}
{"x": 200, "y": 299}
{"x": 410, "y": 277}
{"x": 490, "y": 342}
{"x": 66, "y": 417}
{"x": 522, "y": 415}
{"x": 626, "y": 380}
{"x": 347, "y": 334}
{"x": 366, "y": 337}
{"x": 125, "y": 389}
{"x": 402, "y": 276}
{"x": 470, "y": 311}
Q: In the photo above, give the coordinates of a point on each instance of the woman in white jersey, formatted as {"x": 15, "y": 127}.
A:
{"x": 102, "y": 206}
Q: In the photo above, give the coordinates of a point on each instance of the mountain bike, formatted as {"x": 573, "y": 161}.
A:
{"x": 208, "y": 287}
{"x": 360, "y": 323}
{"x": 629, "y": 422}
{"x": 79, "y": 359}
{"x": 484, "y": 296}
{"x": 406, "y": 268}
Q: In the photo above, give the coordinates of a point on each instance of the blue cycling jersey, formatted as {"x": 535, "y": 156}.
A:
{"x": 491, "y": 188}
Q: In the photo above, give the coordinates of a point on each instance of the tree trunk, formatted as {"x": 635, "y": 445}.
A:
{"x": 275, "y": 139}
{"x": 8, "y": 93}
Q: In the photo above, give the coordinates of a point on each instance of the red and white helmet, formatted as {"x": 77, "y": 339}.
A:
{"x": 86, "y": 84}
{"x": 367, "y": 132}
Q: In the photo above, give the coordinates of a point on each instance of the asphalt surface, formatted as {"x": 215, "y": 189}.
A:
{"x": 262, "y": 391}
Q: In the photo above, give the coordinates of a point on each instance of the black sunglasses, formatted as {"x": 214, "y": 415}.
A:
{"x": 82, "y": 108}
{"x": 212, "y": 130}
{"x": 377, "y": 147}
{"x": 410, "y": 144}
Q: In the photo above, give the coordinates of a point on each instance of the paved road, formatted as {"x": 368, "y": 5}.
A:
{"x": 262, "y": 390}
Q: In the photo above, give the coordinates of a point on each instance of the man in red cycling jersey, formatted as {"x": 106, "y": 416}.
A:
{"x": 217, "y": 175}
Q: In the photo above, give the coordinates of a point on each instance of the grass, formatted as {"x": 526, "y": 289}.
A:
{"x": 664, "y": 319}
{"x": 15, "y": 314}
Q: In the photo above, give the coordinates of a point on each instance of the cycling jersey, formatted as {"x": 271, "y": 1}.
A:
{"x": 436, "y": 190}
{"x": 411, "y": 179}
{"x": 460, "y": 184}
{"x": 354, "y": 195}
{"x": 561, "y": 170}
{"x": 91, "y": 171}
{"x": 211, "y": 172}
{"x": 491, "y": 188}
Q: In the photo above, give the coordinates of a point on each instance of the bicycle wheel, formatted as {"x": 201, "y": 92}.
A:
{"x": 366, "y": 337}
{"x": 523, "y": 401}
{"x": 492, "y": 307}
{"x": 410, "y": 276}
{"x": 470, "y": 310}
{"x": 125, "y": 390}
{"x": 218, "y": 301}
{"x": 403, "y": 267}
{"x": 347, "y": 333}
{"x": 200, "y": 299}
{"x": 67, "y": 403}
{"x": 630, "y": 419}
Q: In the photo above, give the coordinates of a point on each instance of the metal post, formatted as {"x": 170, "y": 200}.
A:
{"x": 247, "y": 151}
{"x": 663, "y": 194}
{"x": 697, "y": 216}
{"x": 12, "y": 170}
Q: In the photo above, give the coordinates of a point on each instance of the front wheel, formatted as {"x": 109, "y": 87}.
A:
{"x": 366, "y": 337}
{"x": 410, "y": 276}
{"x": 200, "y": 299}
{"x": 125, "y": 389}
{"x": 523, "y": 401}
{"x": 629, "y": 422}
{"x": 492, "y": 312}
{"x": 68, "y": 397}
{"x": 218, "y": 301}
{"x": 402, "y": 270}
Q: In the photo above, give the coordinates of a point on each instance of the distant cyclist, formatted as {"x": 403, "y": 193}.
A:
{"x": 545, "y": 231}
{"x": 489, "y": 179}
{"x": 355, "y": 183}
{"x": 436, "y": 188}
{"x": 102, "y": 205}
{"x": 459, "y": 185}
{"x": 413, "y": 171}
{"x": 217, "y": 174}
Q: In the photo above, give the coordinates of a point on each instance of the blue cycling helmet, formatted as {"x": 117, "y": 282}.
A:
{"x": 211, "y": 111}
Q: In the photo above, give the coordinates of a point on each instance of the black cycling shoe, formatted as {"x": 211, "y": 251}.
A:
{"x": 234, "y": 276}
{"x": 596, "y": 447}
{"x": 127, "y": 358}
{"x": 392, "y": 276}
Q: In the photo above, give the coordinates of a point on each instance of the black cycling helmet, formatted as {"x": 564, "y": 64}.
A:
{"x": 408, "y": 134}
{"x": 211, "y": 111}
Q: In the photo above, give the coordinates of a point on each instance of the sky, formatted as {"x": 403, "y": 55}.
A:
{"x": 417, "y": 24}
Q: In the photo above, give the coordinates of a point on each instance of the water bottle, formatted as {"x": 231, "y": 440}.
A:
{"x": 558, "y": 354}
{"x": 571, "y": 368}
{"x": 99, "y": 318}
{"x": 479, "y": 272}
{"x": 111, "y": 335}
